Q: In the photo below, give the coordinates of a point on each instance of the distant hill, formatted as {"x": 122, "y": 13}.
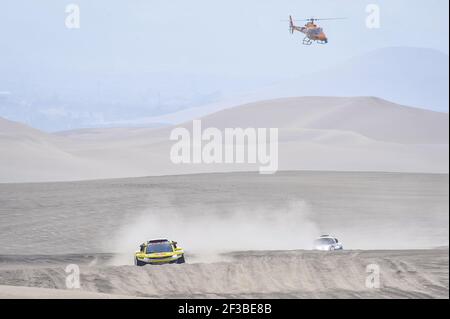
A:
{"x": 409, "y": 76}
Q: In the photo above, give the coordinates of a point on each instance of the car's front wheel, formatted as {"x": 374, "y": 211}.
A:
{"x": 139, "y": 263}
{"x": 181, "y": 260}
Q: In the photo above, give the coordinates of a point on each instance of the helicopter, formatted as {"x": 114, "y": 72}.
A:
{"x": 311, "y": 30}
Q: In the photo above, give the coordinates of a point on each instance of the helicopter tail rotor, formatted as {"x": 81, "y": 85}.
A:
{"x": 291, "y": 25}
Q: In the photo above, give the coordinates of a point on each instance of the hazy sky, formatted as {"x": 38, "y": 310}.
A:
{"x": 137, "y": 58}
{"x": 202, "y": 36}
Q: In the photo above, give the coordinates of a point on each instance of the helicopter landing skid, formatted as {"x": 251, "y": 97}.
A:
{"x": 307, "y": 41}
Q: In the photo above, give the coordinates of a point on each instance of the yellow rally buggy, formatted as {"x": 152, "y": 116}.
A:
{"x": 158, "y": 252}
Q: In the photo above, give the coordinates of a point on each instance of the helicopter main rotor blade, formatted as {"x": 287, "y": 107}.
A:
{"x": 323, "y": 19}
{"x": 311, "y": 19}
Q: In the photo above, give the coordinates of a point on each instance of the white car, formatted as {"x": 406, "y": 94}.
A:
{"x": 327, "y": 242}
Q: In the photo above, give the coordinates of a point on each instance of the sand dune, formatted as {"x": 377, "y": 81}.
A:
{"x": 370, "y": 117}
{"x": 365, "y": 210}
{"x": 28, "y": 154}
{"x": 245, "y": 235}
{"x": 405, "y": 75}
{"x": 360, "y": 134}
{"x": 281, "y": 274}
{"x": 15, "y": 292}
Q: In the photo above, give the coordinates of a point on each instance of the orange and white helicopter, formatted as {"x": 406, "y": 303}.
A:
{"x": 311, "y": 30}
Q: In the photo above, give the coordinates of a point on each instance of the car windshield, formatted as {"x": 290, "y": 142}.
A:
{"x": 159, "y": 248}
{"x": 324, "y": 241}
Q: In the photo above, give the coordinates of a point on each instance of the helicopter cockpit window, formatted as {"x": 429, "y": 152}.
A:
{"x": 317, "y": 31}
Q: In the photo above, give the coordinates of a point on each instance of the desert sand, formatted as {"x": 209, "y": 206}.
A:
{"x": 245, "y": 235}
{"x": 360, "y": 134}
{"x": 262, "y": 274}
{"x": 370, "y": 172}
